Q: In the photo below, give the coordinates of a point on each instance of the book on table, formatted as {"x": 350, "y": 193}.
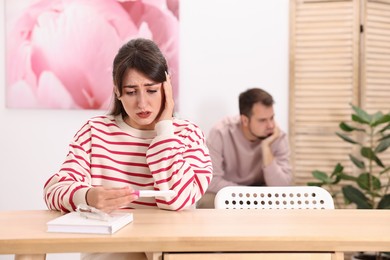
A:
{"x": 74, "y": 222}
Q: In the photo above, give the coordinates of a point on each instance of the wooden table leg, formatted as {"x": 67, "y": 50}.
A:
{"x": 338, "y": 256}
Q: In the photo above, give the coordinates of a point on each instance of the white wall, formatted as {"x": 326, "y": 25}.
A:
{"x": 227, "y": 46}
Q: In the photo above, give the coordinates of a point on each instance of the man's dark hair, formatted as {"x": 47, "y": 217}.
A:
{"x": 252, "y": 96}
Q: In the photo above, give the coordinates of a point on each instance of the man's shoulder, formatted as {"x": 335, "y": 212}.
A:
{"x": 231, "y": 120}
{"x": 227, "y": 124}
{"x": 283, "y": 135}
{"x": 281, "y": 141}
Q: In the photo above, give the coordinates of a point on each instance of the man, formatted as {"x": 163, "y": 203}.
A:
{"x": 249, "y": 149}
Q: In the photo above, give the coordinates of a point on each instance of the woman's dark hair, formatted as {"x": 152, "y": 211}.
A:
{"x": 142, "y": 55}
{"x": 252, "y": 96}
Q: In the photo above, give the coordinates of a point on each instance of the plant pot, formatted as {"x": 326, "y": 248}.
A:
{"x": 369, "y": 256}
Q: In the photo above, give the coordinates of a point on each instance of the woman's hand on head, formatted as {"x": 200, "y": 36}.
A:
{"x": 110, "y": 199}
{"x": 168, "y": 104}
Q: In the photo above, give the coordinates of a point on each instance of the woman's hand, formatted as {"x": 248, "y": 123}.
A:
{"x": 110, "y": 199}
{"x": 169, "y": 104}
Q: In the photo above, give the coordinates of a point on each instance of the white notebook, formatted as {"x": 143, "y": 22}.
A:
{"x": 74, "y": 223}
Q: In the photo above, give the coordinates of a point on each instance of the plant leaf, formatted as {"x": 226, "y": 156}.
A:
{"x": 344, "y": 176}
{"x": 360, "y": 120}
{"x": 348, "y": 128}
{"x": 368, "y": 153}
{"x": 318, "y": 184}
{"x": 358, "y": 163}
{"x": 364, "y": 180}
{"x": 356, "y": 196}
{"x": 361, "y": 116}
{"x": 322, "y": 176}
{"x": 384, "y": 137}
{"x": 383, "y": 145}
{"x": 384, "y": 203}
{"x": 379, "y": 119}
{"x": 337, "y": 169}
{"x": 346, "y": 138}
{"x": 385, "y": 128}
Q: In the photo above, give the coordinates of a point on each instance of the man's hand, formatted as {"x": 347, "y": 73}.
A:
{"x": 268, "y": 157}
{"x": 109, "y": 199}
{"x": 270, "y": 139}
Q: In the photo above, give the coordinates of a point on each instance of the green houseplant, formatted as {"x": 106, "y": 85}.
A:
{"x": 368, "y": 186}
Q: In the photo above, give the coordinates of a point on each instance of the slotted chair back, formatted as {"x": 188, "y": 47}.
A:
{"x": 265, "y": 197}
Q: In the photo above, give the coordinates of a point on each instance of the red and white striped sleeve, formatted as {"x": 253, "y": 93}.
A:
{"x": 67, "y": 188}
{"x": 179, "y": 160}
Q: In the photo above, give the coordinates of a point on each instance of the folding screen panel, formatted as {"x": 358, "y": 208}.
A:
{"x": 323, "y": 82}
{"x": 339, "y": 55}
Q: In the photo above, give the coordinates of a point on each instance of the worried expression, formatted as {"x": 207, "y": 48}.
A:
{"x": 142, "y": 99}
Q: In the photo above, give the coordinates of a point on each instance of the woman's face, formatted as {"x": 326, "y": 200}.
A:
{"x": 141, "y": 99}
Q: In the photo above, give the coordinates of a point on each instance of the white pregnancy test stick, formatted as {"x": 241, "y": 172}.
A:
{"x": 155, "y": 193}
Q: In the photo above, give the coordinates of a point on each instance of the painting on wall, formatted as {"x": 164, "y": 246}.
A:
{"x": 59, "y": 53}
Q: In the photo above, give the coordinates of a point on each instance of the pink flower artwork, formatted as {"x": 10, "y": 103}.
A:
{"x": 60, "y": 52}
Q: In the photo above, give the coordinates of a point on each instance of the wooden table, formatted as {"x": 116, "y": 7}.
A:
{"x": 324, "y": 233}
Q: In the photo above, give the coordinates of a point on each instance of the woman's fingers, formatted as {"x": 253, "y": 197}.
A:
{"x": 168, "y": 91}
{"x": 109, "y": 199}
{"x": 169, "y": 102}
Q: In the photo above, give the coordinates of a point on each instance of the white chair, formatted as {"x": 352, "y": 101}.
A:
{"x": 265, "y": 197}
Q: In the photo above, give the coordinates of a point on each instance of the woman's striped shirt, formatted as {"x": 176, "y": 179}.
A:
{"x": 108, "y": 152}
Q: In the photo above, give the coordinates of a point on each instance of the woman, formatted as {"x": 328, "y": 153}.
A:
{"x": 138, "y": 146}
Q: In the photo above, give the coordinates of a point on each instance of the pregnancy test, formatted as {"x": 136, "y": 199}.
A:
{"x": 154, "y": 193}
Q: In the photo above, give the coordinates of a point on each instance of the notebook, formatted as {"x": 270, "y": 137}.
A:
{"x": 73, "y": 222}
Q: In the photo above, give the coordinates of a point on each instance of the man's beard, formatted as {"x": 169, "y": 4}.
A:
{"x": 259, "y": 137}
{"x": 263, "y": 137}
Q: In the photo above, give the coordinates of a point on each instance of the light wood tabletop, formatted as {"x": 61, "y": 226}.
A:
{"x": 207, "y": 230}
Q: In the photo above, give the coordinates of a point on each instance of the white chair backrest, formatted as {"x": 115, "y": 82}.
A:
{"x": 265, "y": 197}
